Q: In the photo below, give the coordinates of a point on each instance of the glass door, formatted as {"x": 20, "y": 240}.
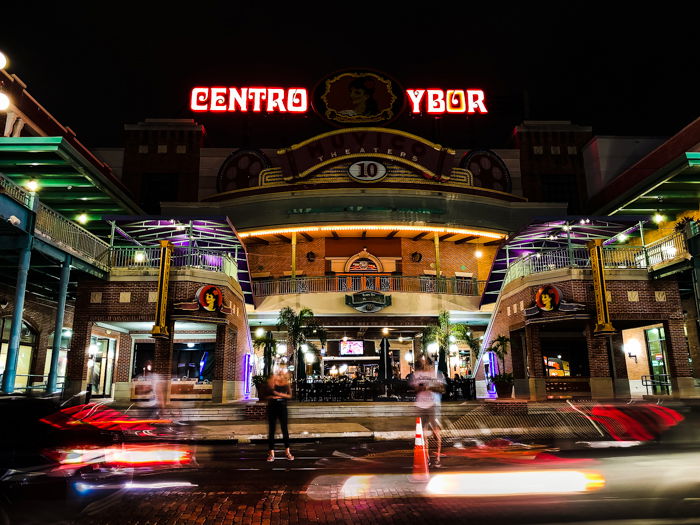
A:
{"x": 656, "y": 348}
{"x": 102, "y": 352}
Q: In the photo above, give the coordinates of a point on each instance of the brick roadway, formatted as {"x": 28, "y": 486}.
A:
{"x": 238, "y": 486}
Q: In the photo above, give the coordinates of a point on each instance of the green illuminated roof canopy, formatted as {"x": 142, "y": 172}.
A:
{"x": 68, "y": 182}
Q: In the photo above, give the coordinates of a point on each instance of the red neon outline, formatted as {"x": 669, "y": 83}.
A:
{"x": 276, "y": 103}
{"x": 304, "y": 95}
{"x": 242, "y": 100}
{"x": 223, "y": 97}
{"x": 479, "y": 103}
{"x": 428, "y": 92}
{"x": 415, "y": 102}
{"x": 192, "y": 99}
{"x": 257, "y": 94}
{"x": 463, "y": 106}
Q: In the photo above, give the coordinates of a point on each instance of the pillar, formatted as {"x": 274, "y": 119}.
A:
{"x": 436, "y": 238}
{"x": 535, "y": 366}
{"x": 8, "y": 378}
{"x": 682, "y": 382}
{"x": 163, "y": 363}
{"x": 58, "y": 325}
{"x": 518, "y": 354}
{"x": 122, "y": 369}
{"x": 600, "y": 379}
{"x": 76, "y": 378}
{"x": 294, "y": 255}
{"x": 621, "y": 379}
{"x": 224, "y": 384}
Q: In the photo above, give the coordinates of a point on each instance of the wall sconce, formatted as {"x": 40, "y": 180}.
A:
{"x": 311, "y": 256}
{"x": 632, "y": 356}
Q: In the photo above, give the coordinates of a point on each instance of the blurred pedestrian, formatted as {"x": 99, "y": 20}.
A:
{"x": 278, "y": 393}
{"x": 429, "y": 385}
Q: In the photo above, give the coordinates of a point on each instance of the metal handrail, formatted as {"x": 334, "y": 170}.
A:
{"x": 667, "y": 249}
{"x": 69, "y": 236}
{"x": 364, "y": 282}
{"x": 182, "y": 257}
{"x": 660, "y": 380}
{"x": 15, "y": 192}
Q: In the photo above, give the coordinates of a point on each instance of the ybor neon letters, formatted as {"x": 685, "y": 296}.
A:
{"x": 255, "y": 99}
{"x": 437, "y": 101}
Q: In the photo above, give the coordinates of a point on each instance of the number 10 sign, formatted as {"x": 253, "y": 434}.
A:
{"x": 367, "y": 171}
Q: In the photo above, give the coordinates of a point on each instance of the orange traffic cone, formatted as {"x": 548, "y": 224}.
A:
{"x": 420, "y": 455}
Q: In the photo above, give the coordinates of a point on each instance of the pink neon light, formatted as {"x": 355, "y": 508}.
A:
{"x": 219, "y": 99}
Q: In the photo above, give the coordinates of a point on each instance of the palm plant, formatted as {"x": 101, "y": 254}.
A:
{"x": 503, "y": 380}
{"x": 444, "y": 333}
{"x": 300, "y": 327}
{"x": 268, "y": 344}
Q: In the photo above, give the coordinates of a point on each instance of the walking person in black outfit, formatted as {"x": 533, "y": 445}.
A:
{"x": 278, "y": 393}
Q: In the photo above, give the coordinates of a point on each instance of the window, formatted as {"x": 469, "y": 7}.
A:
{"x": 162, "y": 148}
{"x": 572, "y": 150}
{"x": 181, "y": 148}
{"x": 143, "y": 148}
{"x": 538, "y": 150}
{"x": 556, "y": 150}
{"x": 27, "y": 342}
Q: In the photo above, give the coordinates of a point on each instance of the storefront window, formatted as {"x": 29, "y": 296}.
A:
{"x": 26, "y": 351}
{"x": 102, "y": 353}
{"x": 62, "y": 356}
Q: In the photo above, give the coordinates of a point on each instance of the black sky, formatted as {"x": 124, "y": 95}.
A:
{"x": 99, "y": 65}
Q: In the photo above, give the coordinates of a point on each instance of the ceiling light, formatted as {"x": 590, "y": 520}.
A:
{"x": 622, "y": 237}
{"x": 82, "y": 218}
{"x": 478, "y": 253}
{"x": 259, "y": 331}
{"x": 4, "y": 101}
{"x": 385, "y": 331}
{"x": 3, "y": 60}
{"x": 658, "y": 218}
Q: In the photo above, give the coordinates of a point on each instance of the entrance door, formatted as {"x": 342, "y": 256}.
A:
{"x": 656, "y": 348}
{"x": 102, "y": 351}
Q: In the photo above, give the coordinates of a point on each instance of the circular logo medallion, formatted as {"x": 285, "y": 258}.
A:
{"x": 210, "y": 298}
{"x": 367, "y": 171}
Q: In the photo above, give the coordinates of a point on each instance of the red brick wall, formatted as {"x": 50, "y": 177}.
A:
{"x": 646, "y": 311}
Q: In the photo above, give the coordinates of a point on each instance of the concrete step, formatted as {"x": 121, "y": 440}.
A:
{"x": 215, "y": 413}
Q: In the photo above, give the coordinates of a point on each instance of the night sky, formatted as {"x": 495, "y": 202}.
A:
{"x": 105, "y": 64}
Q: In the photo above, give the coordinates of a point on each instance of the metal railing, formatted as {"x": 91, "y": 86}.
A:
{"x": 183, "y": 257}
{"x": 667, "y": 249}
{"x": 361, "y": 283}
{"x": 15, "y": 192}
{"x": 657, "y": 384}
{"x": 37, "y": 382}
{"x": 55, "y": 229}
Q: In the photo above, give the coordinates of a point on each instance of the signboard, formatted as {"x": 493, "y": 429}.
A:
{"x": 358, "y": 98}
{"x": 431, "y": 160}
{"x": 547, "y": 298}
{"x": 351, "y": 348}
{"x": 441, "y": 101}
{"x": 210, "y": 298}
{"x": 367, "y": 171}
{"x": 603, "y": 325}
{"x": 254, "y": 99}
{"x": 368, "y": 302}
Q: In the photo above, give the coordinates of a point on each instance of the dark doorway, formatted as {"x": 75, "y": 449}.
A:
{"x": 565, "y": 356}
{"x": 143, "y": 358}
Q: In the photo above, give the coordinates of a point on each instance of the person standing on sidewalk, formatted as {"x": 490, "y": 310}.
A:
{"x": 278, "y": 393}
{"x": 429, "y": 385}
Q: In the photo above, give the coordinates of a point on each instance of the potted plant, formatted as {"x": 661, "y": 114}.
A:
{"x": 503, "y": 381}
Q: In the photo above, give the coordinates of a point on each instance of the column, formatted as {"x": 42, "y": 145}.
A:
{"x": 294, "y": 255}
{"x": 621, "y": 379}
{"x": 58, "y": 326}
{"x": 518, "y": 354}
{"x": 122, "y": 369}
{"x": 76, "y": 378}
{"x": 682, "y": 382}
{"x": 224, "y": 380}
{"x": 436, "y": 238}
{"x": 163, "y": 362}
{"x": 8, "y": 378}
{"x": 601, "y": 380}
{"x": 535, "y": 365}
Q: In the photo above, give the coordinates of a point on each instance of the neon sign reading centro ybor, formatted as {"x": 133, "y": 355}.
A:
{"x": 437, "y": 101}
{"x": 256, "y": 99}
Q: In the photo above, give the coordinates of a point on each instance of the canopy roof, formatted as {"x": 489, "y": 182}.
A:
{"x": 210, "y": 233}
{"x": 556, "y": 233}
{"x": 69, "y": 181}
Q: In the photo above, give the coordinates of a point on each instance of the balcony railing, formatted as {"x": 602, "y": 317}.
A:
{"x": 667, "y": 249}
{"x": 55, "y": 229}
{"x": 360, "y": 283}
{"x": 17, "y": 193}
{"x": 135, "y": 257}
